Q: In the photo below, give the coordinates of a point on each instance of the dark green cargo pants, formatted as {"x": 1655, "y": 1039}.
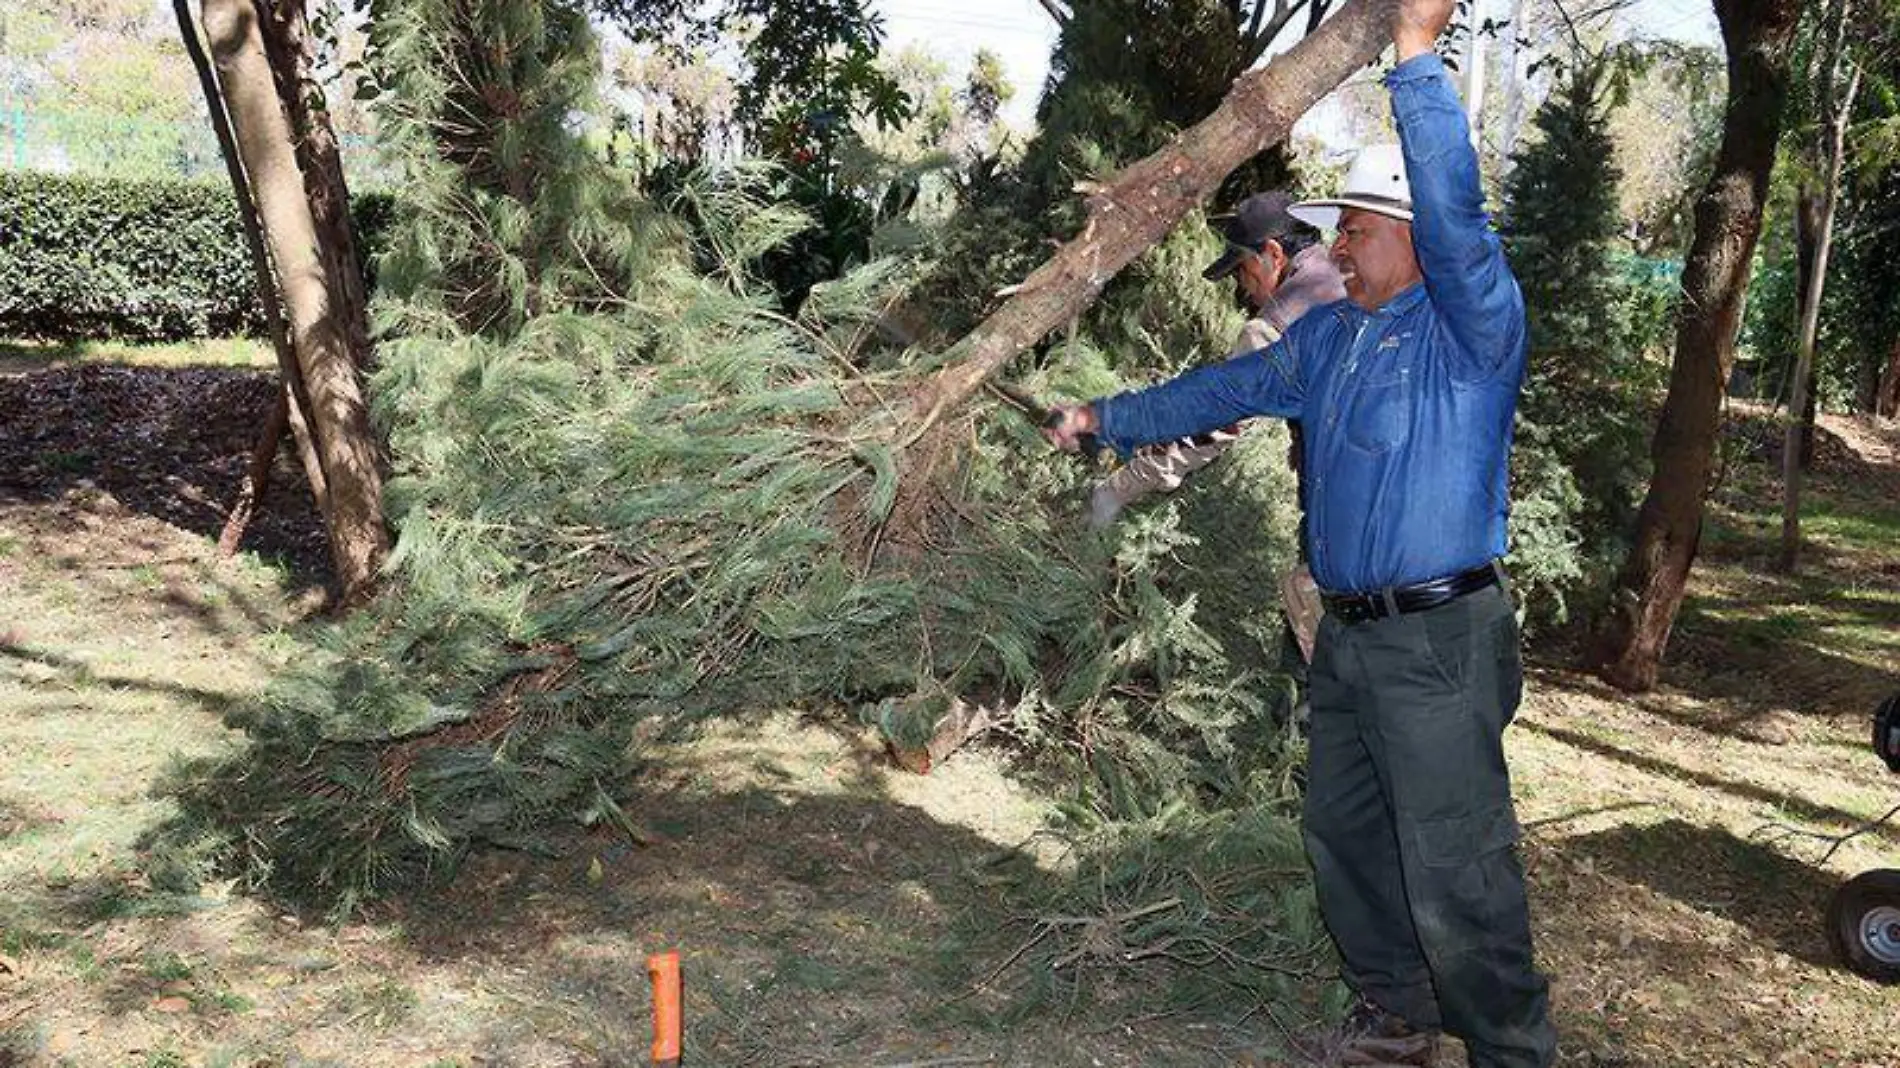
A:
{"x": 1410, "y": 825}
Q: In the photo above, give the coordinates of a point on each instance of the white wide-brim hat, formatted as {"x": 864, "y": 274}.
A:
{"x": 1376, "y": 183}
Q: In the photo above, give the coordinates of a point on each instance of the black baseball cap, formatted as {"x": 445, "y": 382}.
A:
{"x": 1255, "y": 221}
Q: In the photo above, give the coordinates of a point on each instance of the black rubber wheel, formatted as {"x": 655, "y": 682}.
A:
{"x": 1863, "y": 924}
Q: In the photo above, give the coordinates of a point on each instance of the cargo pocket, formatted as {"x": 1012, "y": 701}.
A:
{"x": 1455, "y": 841}
{"x": 1445, "y": 641}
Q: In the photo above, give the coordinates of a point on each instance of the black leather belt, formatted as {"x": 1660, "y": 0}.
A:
{"x": 1397, "y": 600}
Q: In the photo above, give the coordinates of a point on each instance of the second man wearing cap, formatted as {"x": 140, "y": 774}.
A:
{"x": 1280, "y": 270}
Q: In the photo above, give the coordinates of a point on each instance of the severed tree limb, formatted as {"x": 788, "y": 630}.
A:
{"x": 1138, "y": 208}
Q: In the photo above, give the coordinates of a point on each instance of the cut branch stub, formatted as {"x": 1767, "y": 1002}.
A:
{"x": 1136, "y": 210}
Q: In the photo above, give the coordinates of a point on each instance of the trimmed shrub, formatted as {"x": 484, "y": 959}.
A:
{"x": 133, "y": 259}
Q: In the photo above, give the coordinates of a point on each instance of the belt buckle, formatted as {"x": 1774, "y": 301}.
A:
{"x": 1357, "y": 607}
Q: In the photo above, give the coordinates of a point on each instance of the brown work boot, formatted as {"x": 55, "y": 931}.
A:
{"x": 1371, "y": 1037}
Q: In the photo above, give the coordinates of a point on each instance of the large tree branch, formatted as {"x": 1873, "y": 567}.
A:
{"x": 1149, "y": 198}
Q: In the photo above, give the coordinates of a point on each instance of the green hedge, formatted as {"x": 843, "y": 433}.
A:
{"x": 149, "y": 260}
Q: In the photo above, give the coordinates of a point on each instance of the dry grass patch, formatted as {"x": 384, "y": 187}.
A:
{"x": 22, "y": 357}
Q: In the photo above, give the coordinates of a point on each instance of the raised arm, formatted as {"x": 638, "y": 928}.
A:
{"x": 1461, "y": 258}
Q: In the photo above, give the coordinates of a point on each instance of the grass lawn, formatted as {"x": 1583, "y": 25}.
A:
{"x": 19, "y": 357}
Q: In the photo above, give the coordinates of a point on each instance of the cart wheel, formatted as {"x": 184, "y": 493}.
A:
{"x": 1863, "y": 924}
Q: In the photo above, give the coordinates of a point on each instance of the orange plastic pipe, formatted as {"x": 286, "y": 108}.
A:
{"x": 664, "y": 970}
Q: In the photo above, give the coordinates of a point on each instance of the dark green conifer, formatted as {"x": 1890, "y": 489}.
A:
{"x": 1581, "y": 457}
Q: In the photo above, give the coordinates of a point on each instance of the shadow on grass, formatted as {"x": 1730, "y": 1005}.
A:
{"x": 229, "y": 597}
{"x": 171, "y": 443}
{"x": 827, "y": 930}
{"x": 1771, "y": 663}
{"x": 807, "y": 926}
{"x": 821, "y": 920}
{"x": 1793, "y": 804}
{"x": 1815, "y": 641}
{"x": 815, "y": 929}
{"x": 76, "y": 673}
{"x": 1780, "y": 900}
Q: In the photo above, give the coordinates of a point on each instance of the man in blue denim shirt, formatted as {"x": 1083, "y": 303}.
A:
{"x": 1406, "y": 391}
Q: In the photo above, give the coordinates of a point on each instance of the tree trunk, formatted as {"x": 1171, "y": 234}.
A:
{"x": 257, "y": 477}
{"x": 1817, "y": 212}
{"x": 1149, "y": 198}
{"x": 337, "y": 416}
{"x": 291, "y": 48}
{"x": 1649, "y": 589}
{"x": 1887, "y": 394}
{"x": 291, "y": 393}
{"x": 1797, "y": 441}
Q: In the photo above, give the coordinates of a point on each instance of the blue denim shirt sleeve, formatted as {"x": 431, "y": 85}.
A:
{"x": 1466, "y": 276}
{"x": 1267, "y": 382}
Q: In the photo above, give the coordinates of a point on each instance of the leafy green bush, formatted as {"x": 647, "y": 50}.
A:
{"x": 100, "y": 257}
{"x": 142, "y": 260}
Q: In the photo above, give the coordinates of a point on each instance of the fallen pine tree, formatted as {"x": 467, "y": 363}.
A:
{"x": 630, "y": 493}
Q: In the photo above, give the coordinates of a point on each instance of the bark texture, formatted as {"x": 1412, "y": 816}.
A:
{"x": 337, "y": 418}
{"x": 1759, "y": 35}
{"x": 292, "y": 51}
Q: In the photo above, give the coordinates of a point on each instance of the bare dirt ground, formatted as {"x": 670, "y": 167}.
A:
{"x": 833, "y": 911}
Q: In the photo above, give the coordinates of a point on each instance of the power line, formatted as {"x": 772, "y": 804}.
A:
{"x": 971, "y": 24}
{"x": 950, "y": 15}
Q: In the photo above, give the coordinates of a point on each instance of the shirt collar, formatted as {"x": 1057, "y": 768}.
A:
{"x": 1408, "y": 298}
